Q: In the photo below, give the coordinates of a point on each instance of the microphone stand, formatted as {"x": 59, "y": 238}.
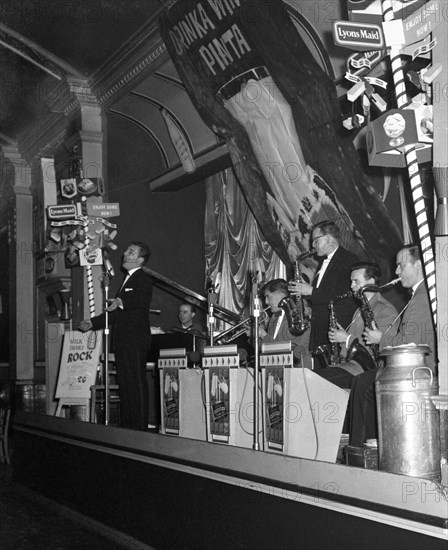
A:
{"x": 256, "y": 314}
{"x": 106, "y": 282}
{"x": 212, "y": 299}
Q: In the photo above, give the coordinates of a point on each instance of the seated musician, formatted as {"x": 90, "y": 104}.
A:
{"x": 278, "y": 329}
{"x": 187, "y": 313}
{"x": 413, "y": 326}
{"x": 353, "y": 356}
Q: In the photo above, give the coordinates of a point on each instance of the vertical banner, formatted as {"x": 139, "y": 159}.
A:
{"x": 220, "y": 401}
{"x": 171, "y": 387}
{"x": 274, "y": 406}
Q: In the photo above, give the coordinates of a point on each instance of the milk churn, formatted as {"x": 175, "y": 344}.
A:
{"x": 408, "y": 422}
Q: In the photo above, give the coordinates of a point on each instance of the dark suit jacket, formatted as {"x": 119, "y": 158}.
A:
{"x": 335, "y": 281}
{"x": 416, "y": 326}
{"x": 196, "y": 329}
{"x": 131, "y": 324}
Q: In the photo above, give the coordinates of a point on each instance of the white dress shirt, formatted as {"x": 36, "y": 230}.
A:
{"x": 324, "y": 266}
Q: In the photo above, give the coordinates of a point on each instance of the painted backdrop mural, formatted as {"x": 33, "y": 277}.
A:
{"x": 255, "y": 83}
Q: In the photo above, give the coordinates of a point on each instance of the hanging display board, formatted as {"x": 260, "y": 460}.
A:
{"x": 79, "y": 361}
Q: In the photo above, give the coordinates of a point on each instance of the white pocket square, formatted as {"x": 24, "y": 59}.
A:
{"x": 128, "y": 289}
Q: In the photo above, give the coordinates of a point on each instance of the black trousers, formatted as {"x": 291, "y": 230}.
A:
{"x": 362, "y": 406}
{"x": 130, "y": 362}
{"x": 336, "y": 375}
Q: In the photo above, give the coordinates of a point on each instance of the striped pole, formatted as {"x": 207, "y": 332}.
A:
{"x": 90, "y": 291}
{"x": 413, "y": 171}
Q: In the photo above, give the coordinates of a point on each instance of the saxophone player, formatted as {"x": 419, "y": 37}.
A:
{"x": 380, "y": 310}
{"x": 413, "y": 325}
{"x": 331, "y": 279}
{"x": 278, "y": 329}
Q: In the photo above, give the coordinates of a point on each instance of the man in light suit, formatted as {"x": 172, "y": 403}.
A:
{"x": 332, "y": 279}
{"x": 415, "y": 325}
{"x": 131, "y": 333}
{"x": 384, "y": 315}
{"x": 278, "y": 329}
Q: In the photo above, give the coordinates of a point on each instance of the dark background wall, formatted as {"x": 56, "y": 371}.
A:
{"x": 172, "y": 223}
{"x": 4, "y": 295}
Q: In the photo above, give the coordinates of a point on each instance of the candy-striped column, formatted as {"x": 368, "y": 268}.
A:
{"x": 90, "y": 290}
{"x": 413, "y": 171}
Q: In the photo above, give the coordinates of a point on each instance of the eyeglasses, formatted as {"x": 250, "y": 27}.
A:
{"x": 316, "y": 238}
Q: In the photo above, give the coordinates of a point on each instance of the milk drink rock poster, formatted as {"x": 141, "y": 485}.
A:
{"x": 78, "y": 367}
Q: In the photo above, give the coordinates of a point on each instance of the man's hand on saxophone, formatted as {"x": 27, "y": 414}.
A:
{"x": 372, "y": 336}
{"x": 296, "y": 288}
{"x": 338, "y": 335}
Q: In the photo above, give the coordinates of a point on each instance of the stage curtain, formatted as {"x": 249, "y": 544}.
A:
{"x": 237, "y": 255}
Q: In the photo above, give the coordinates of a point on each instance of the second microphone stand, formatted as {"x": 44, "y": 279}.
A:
{"x": 106, "y": 282}
{"x": 256, "y": 315}
{"x": 212, "y": 299}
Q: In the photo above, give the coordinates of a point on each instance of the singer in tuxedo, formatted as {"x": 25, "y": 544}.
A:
{"x": 414, "y": 325}
{"x": 131, "y": 333}
{"x": 332, "y": 279}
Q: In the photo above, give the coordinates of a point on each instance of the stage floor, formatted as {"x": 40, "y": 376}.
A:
{"x": 121, "y": 478}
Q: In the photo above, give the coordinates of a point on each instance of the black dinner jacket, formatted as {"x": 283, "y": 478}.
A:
{"x": 130, "y": 324}
{"x": 336, "y": 281}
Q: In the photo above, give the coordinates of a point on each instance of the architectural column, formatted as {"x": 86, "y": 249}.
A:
{"x": 83, "y": 131}
{"x": 16, "y": 175}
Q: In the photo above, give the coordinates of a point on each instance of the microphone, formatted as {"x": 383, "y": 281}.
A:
{"x": 212, "y": 296}
{"x": 109, "y": 269}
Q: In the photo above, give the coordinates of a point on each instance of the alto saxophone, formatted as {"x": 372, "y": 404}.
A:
{"x": 294, "y": 308}
{"x": 332, "y": 353}
{"x": 357, "y": 351}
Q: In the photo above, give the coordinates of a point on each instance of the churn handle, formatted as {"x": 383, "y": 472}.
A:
{"x": 421, "y": 368}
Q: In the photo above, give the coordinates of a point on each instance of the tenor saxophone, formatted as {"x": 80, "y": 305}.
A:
{"x": 294, "y": 308}
{"x": 357, "y": 351}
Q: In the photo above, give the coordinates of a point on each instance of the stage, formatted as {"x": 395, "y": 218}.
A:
{"x": 172, "y": 492}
